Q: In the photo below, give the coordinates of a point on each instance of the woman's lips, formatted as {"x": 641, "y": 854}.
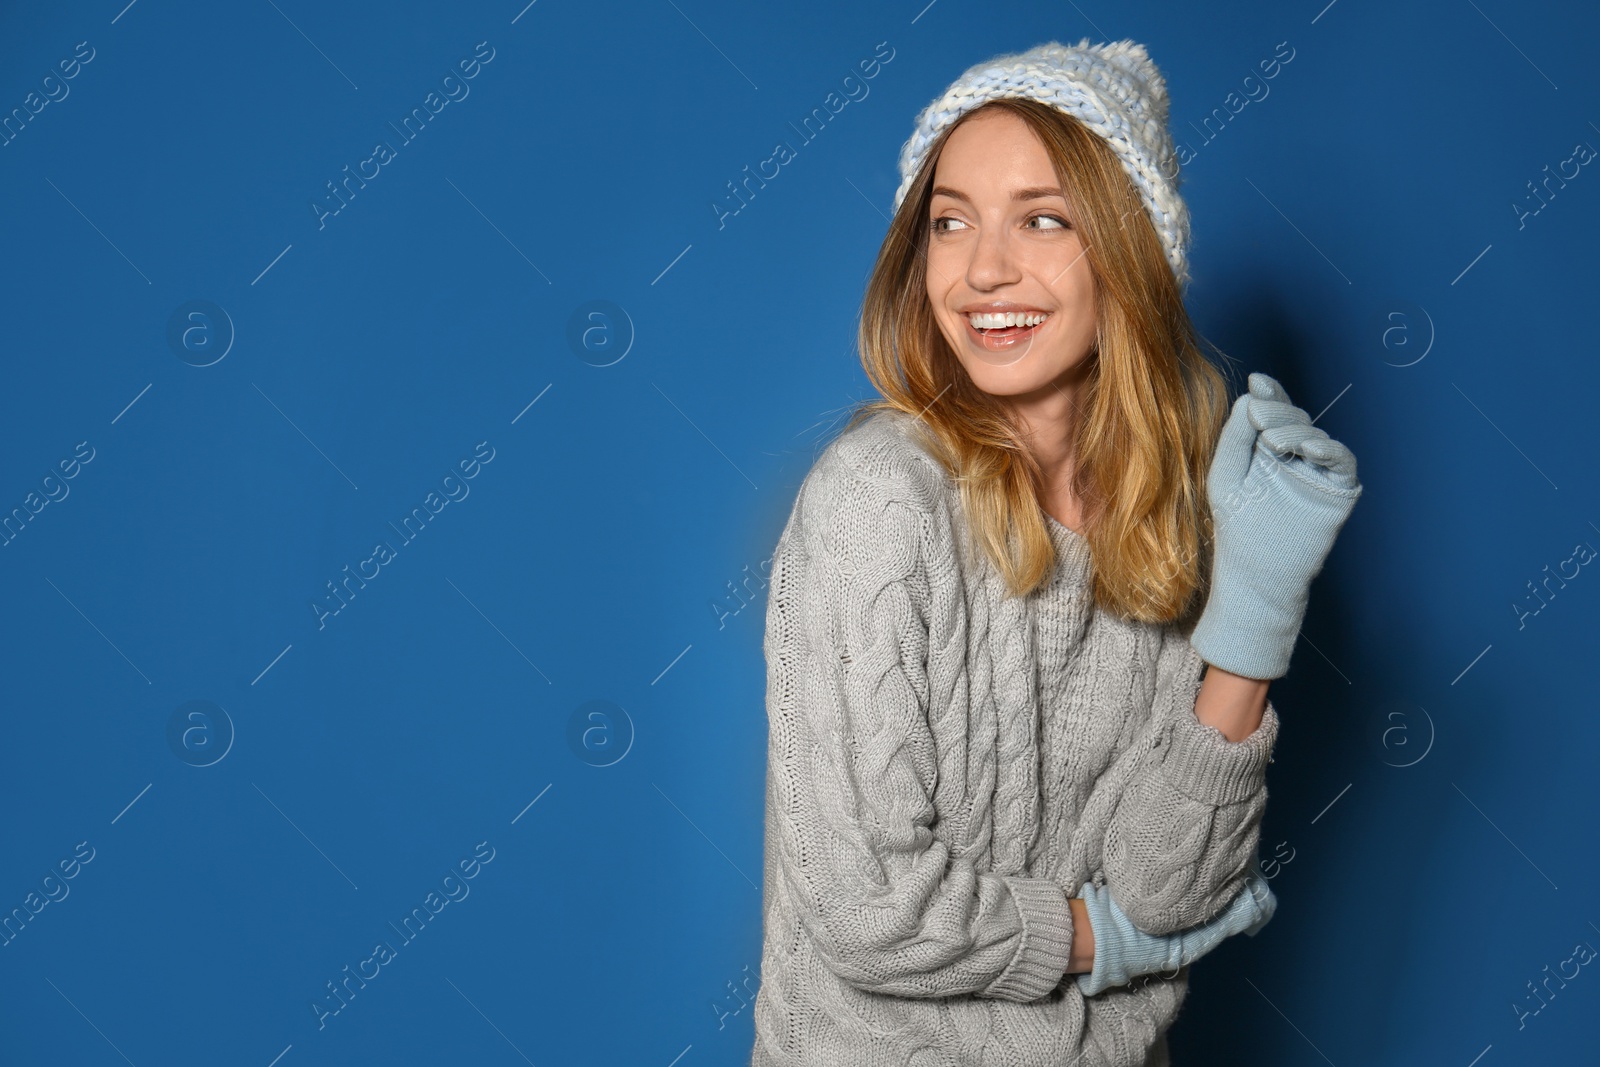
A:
{"x": 1002, "y": 340}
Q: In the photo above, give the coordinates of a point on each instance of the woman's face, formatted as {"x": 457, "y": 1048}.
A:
{"x": 1001, "y": 242}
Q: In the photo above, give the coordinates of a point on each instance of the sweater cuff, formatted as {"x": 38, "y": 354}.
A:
{"x": 1203, "y": 764}
{"x": 1046, "y": 951}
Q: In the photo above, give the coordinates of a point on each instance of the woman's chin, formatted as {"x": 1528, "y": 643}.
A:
{"x": 1031, "y": 372}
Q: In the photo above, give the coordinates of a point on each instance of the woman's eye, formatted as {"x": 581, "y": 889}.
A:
{"x": 944, "y": 224}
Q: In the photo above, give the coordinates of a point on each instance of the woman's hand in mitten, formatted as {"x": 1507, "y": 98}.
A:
{"x": 1123, "y": 952}
{"x": 1280, "y": 489}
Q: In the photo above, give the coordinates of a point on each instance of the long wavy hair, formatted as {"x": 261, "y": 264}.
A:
{"x": 1149, "y": 412}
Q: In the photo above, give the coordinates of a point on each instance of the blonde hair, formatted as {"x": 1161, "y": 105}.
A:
{"x": 1150, "y": 409}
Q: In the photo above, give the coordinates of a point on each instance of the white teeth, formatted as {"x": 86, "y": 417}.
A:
{"x": 992, "y": 321}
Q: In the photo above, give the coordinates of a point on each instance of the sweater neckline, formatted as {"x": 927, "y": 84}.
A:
{"x": 1072, "y": 549}
{"x": 1059, "y": 525}
{"x": 1074, "y": 543}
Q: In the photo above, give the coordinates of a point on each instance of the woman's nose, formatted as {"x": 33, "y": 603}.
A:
{"x": 993, "y": 259}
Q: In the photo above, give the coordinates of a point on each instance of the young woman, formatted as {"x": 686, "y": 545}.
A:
{"x": 1026, "y": 607}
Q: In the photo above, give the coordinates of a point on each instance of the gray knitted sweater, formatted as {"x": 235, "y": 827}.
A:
{"x": 947, "y": 765}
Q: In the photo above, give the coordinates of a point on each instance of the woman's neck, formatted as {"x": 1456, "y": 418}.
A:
{"x": 1048, "y": 422}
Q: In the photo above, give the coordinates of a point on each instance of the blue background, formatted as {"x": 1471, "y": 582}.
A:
{"x": 566, "y": 664}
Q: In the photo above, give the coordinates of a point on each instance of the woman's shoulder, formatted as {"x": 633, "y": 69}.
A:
{"x": 886, "y": 448}
{"x": 877, "y": 471}
{"x": 878, "y": 460}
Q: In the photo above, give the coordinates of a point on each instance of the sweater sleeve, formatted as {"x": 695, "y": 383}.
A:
{"x": 887, "y": 905}
{"x": 1183, "y": 837}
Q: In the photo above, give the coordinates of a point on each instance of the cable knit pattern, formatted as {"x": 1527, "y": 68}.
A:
{"x": 946, "y": 764}
{"x": 1114, "y": 89}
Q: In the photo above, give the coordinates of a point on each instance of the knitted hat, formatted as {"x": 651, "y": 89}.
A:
{"x": 1113, "y": 89}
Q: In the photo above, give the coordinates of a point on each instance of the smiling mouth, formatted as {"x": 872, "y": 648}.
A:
{"x": 997, "y": 320}
{"x": 1004, "y": 332}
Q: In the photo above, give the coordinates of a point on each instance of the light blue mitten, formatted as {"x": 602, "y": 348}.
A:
{"x": 1280, "y": 489}
{"x": 1123, "y": 952}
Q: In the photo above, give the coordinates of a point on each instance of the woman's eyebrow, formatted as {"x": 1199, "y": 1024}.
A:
{"x": 1036, "y": 192}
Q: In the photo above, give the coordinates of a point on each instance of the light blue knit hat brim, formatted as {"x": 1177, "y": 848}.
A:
{"x": 1113, "y": 89}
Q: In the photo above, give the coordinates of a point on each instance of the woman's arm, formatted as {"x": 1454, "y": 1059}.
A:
{"x": 1184, "y": 833}
{"x": 887, "y": 904}
{"x": 1082, "y": 938}
{"x": 1230, "y": 703}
